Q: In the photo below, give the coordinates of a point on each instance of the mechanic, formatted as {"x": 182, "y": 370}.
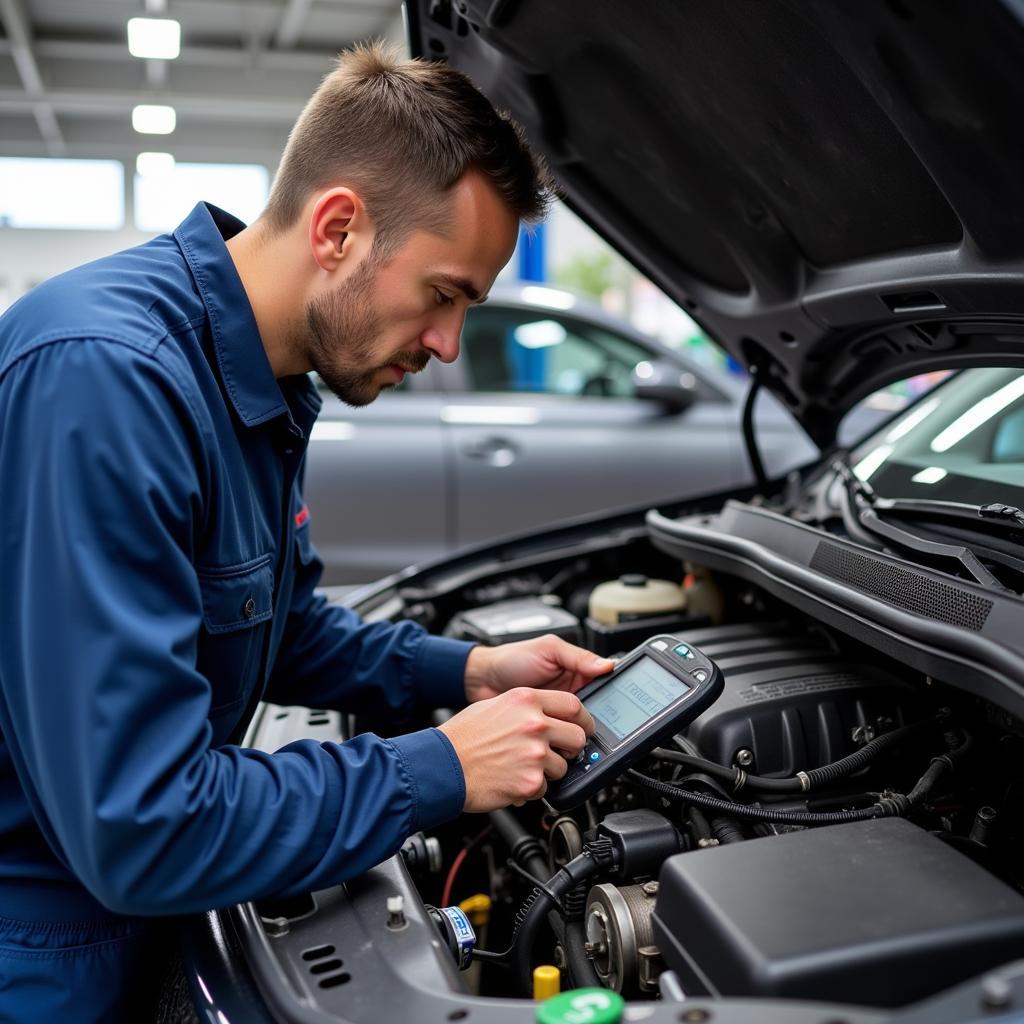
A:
{"x": 158, "y": 578}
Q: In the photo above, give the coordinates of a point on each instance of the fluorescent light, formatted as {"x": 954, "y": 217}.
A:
{"x": 978, "y": 414}
{"x": 550, "y": 297}
{"x": 907, "y": 424}
{"x": 154, "y": 38}
{"x": 931, "y": 475}
{"x": 870, "y": 463}
{"x": 153, "y": 119}
{"x": 154, "y": 165}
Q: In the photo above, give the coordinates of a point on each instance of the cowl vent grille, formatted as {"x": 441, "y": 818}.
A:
{"x": 902, "y": 588}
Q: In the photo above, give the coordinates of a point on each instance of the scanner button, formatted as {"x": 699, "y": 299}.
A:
{"x": 659, "y": 645}
{"x": 700, "y": 675}
{"x": 594, "y": 756}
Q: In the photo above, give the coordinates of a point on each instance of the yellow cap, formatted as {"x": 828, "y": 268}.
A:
{"x": 477, "y": 908}
{"x": 547, "y": 982}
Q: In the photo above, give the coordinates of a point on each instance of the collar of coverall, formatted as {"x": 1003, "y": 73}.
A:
{"x": 244, "y": 368}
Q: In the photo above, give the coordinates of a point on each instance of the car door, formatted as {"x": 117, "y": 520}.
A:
{"x": 544, "y": 425}
{"x": 377, "y": 482}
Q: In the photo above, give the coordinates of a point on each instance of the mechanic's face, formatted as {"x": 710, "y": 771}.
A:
{"x": 386, "y": 320}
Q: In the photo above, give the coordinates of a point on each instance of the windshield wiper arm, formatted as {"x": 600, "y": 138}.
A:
{"x": 866, "y": 505}
{"x": 1008, "y": 516}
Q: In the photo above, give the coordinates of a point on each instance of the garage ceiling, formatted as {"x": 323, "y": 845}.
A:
{"x": 68, "y": 83}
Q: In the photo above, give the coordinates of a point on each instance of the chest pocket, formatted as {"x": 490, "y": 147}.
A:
{"x": 238, "y": 602}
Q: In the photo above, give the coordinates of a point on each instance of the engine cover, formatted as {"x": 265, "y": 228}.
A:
{"x": 877, "y": 913}
{"x": 791, "y": 699}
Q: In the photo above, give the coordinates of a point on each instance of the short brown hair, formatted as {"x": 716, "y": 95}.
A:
{"x": 401, "y": 133}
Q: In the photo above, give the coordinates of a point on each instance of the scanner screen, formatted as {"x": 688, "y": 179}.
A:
{"x": 633, "y": 698}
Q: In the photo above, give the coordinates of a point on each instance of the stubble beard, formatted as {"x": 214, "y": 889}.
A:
{"x": 343, "y": 329}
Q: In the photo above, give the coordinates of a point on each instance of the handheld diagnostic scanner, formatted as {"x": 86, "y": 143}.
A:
{"x": 652, "y": 693}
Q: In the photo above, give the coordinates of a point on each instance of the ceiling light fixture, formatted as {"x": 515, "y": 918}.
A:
{"x": 154, "y": 38}
{"x": 153, "y": 119}
{"x": 153, "y": 165}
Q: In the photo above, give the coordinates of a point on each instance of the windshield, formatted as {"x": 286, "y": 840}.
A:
{"x": 963, "y": 442}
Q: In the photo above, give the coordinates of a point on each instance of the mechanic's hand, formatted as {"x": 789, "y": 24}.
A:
{"x": 509, "y": 745}
{"x": 547, "y": 662}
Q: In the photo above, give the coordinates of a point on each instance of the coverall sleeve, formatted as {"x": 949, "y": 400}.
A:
{"x": 102, "y": 467}
{"x": 330, "y": 658}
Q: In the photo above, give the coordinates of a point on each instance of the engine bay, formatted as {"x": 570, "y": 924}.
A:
{"x": 837, "y": 828}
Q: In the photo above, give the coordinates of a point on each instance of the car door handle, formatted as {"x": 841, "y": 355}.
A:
{"x": 494, "y": 450}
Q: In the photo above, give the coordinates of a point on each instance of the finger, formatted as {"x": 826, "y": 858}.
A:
{"x": 581, "y": 717}
{"x": 555, "y": 766}
{"x": 578, "y": 661}
{"x": 565, "y": 706}
{"x": 567, "y": 736}
{"x": 558, "y": 704}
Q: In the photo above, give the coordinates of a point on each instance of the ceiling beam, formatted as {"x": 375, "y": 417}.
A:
{"x": 100, "y": 103}
{"x": 197, "y": 12}
{"x": 198, "y": 56}
{"x": 292, "y": 22}
{"x": 115, "y": 149}
{"x": 19, "y": 36}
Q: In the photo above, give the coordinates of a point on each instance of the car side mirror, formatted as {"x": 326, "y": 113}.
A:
{"x": 665, "y": 383}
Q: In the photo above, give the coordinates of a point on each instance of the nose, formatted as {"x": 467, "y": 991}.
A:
{"x": 443, "y": 339}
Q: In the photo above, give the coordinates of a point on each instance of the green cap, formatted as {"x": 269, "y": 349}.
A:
{"x": 582, "y": 1006}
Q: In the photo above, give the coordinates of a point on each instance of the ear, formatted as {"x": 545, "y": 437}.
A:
{"x": 337, "y": 227}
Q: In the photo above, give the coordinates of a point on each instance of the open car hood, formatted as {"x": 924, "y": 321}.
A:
{"x": 833, "y": 190}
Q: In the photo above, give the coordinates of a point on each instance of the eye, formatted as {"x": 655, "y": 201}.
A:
{"x": 443, "y": 300}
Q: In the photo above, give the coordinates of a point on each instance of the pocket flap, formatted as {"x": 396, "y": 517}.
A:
{"x": 237, "y": 596}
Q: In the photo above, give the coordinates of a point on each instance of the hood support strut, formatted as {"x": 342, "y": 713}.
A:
{"x": 749, "y": 436}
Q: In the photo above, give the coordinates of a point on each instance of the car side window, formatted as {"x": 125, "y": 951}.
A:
{"x": 507, "y": 349}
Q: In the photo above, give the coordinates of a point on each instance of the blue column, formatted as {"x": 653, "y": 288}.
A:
{"x": 532, "y": 253}
{"x": 528, "y": 365}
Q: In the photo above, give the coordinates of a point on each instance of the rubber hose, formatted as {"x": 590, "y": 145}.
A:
{"x": 860, "y": 758}
{"x": 726, "y": 831}
{"x": 889, "y": 807}
{"x": 581, "y": 967}
{"x": 727, "y": 775}
{"x": 924, "y": 784}
{"x": 816, "y": 777}
{"x": 578, "y": 870}
{"x": 959, "y": 748}
{"x": 524, "y": 849}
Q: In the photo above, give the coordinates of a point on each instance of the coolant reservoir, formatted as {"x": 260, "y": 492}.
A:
{"x": 634, "y": 596}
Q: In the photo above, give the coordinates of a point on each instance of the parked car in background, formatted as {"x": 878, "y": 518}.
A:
{"x": 554, "y": 409}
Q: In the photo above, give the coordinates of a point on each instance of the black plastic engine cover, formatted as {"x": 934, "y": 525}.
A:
{"x": 875, "y": 913}
{"x": 791, "y": 699}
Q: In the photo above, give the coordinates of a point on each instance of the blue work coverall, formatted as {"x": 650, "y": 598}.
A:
{"x": 157, "y": 577}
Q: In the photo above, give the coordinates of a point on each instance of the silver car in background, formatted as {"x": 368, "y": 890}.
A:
{"x": 554, "y": 409}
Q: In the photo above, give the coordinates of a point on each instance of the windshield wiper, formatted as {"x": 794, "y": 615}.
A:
{"x": 865, "y": 509}
{"x": 1005, "y": 517}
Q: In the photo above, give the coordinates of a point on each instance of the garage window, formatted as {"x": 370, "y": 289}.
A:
{"x": 164, "y": 198}
{"x": 50, "y": 193}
